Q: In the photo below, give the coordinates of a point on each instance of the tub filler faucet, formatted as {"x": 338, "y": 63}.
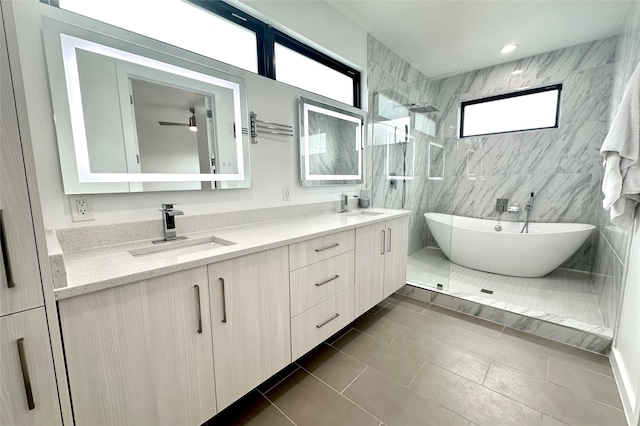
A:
{"x": 169, "y": 224}
{"x": 528, "y": 207}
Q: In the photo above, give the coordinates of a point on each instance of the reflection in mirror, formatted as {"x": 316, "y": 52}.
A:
{"x": 129, "y": 122}
{"x": 436, "y": 161}
{"x": 330, "y": 144}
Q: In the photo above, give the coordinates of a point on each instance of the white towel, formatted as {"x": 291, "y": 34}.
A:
{"x": 621, "y": 152}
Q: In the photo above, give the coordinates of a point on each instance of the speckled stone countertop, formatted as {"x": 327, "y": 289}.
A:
{"x": 97, "y": 268}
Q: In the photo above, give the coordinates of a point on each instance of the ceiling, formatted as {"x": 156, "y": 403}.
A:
{"x": 444, "y": 37}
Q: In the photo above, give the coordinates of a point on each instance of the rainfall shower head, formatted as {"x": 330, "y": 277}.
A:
{"x": 420, "y": 107}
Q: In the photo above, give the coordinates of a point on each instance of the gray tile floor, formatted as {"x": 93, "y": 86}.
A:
{"x": 563, "y": 292}
{"x": 406, "y": 363}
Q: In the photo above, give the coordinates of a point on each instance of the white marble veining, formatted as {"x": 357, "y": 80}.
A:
{"x": 102, "y": 267}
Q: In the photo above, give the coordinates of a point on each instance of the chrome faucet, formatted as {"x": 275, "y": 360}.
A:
{"x": 528, "y": 207}
{"x": 344, "y": 199}
{"x": 169, "y": 224}
{"x": 514, "y": 209}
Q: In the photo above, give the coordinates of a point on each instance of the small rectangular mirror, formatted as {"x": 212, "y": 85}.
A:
{"x": 436, "y": 161}
{"x": 330, "y": 144}
{"x": 131, "y": 118}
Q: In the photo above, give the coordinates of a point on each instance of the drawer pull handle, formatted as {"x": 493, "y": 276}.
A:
{"x": 327, "y": 281}
{"x": 5, "y": 255}
{"x": 328, "y": 321}
{"x": 224, "y": 303}
{"x": 327, "y": 248}
{"x": 382, "y": 252}
{"x": 389, "y": 243}
{"x": 199, "y": 309}
{"x": 25, "y": 374}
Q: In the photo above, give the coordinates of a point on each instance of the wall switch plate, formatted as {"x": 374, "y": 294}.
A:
{"x": 81, "y": 207}
{"x": 286, "y": 193}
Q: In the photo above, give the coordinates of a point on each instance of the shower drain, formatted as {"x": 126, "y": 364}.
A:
{"x": 484, "y": 290}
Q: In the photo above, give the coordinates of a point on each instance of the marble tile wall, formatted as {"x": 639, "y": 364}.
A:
{"x": 611, "y": 242}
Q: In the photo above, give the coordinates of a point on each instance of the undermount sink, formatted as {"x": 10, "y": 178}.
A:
{"x": 169, "y": 252}
{"x": 363, "y": 212}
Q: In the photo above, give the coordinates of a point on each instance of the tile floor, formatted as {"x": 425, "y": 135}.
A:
{"x": 407, "y": 363}
{"x": 563, "y": 292}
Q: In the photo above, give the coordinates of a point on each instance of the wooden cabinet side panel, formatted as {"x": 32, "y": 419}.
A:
{"x": 255, "y": 341}
{"x": 369, "y": 270}
{"x": 31, "y": 326}
{"x": 134, "y": 355}
{"x": 395, "y": 262}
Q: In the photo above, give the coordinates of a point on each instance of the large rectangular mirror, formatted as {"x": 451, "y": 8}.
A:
{"x": 330, "y": 144}
{"x": 131, "y": 118}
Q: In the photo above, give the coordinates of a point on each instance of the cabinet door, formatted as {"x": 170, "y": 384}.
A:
{"x": 25, "y": 358}
{"x": 140, "y": 354}
{"x": 396, "y": 247}
{"x": 251, "y": 321}
{"x": 370, "y": 250}
{"x": 20, "y": 287}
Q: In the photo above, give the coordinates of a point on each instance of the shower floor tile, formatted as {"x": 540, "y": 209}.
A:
{"x": 563, "y": 292}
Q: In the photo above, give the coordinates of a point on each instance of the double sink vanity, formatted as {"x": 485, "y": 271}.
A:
{"x": 174, "y": 333}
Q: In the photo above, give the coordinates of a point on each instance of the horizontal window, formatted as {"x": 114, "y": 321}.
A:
{"x": 512, "y": 112}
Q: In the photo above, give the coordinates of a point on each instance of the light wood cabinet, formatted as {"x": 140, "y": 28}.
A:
{"x": 27, "y": 380}
{"x": 381, "y": 262}
{"x": 250, "y": 320}
{"x": 141, "y": 354}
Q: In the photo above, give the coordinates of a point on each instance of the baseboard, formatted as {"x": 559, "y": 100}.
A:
{"x": 624, "y": 389}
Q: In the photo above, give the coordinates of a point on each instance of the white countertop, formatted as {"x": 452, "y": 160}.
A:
{"x": 86, "y": 271}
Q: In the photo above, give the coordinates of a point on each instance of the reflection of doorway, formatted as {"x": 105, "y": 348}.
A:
{"x": 172, "y": 147}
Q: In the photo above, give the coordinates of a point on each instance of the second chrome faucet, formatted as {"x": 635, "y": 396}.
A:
{"x": 169, "y": 224}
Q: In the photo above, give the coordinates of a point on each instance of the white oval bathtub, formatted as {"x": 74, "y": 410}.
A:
{"x": 476, "y": 244}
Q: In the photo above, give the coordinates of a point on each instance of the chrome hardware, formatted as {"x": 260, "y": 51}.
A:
{"x": 25, "y": 374}
{"x": 528, "y": 207}
{"x": 514, "y": 209}
{"x": 344, "y": 200}
{"x": 328, "y": 321}
{"x": 224, "y": 302}
{"x": 5, "y": 255}
{"x": 498, "y": 227}
{"x": 267, "y": 127}
{"x": 389, "y": 243}
{"x": 501, "y": 205}
{"x": 199, "y": 309}
{"x": 383, "y": 238}
{"x": 327, "y": 281}
{"x": 169, "y": 224}
{"x": 327, "y": 248}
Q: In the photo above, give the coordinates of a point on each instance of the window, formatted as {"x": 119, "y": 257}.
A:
{"x": 228, "y": 35}
{"x": 531, "y": 109}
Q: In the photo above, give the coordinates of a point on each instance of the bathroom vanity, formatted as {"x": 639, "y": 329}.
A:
{"x": 154, "y": 334}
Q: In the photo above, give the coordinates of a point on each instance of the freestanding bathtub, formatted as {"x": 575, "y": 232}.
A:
{"x": 475, "y": 243}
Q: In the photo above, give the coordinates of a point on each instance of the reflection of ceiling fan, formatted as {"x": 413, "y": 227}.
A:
{"x": 191, "y": 123}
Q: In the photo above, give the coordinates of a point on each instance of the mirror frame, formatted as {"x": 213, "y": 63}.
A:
{"x": 351, "y": 114}
{"x": 60, "y": 41}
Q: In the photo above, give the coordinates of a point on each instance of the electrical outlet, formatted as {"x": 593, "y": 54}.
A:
{"x": 286, "y": 194}
{"x": 81, "y": 207}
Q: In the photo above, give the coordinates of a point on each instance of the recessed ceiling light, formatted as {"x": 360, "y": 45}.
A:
{"x": 516, "y": 72}
{"x": 508, "y": 48}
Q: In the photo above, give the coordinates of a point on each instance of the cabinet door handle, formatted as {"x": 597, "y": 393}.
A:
{"x": 224, "y": 302}
{"x": 327, "y": 248}
{"x": 328, "y": 321}
{"x": 327, "y": 281}
{"x": 199, "y": 309}
{"x": 382, "y": 252}
{"x": 25, "y": 374}
{"x": 5, "y": 255}
{"x": 389, "y": 243}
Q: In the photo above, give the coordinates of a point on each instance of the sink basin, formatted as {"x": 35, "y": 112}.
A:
{"x": 363, "y": 212}
{"x": 170, "y": 252}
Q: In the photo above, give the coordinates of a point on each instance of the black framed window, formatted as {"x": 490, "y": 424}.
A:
{"x": 531, "y": 109}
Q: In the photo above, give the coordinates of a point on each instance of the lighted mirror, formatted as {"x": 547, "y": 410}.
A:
{"x": 436, "y": 161}
{"x": 330, "y": 144}
{"x": 130, "y": 118}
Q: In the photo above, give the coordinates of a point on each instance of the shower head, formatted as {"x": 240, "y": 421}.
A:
{"x": 420, "y": 107}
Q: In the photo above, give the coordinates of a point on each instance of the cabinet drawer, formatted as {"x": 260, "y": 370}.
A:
{"x": 318, "y": 282}
{"x": 311, "y": 251}
{"x": 318, "y": 323}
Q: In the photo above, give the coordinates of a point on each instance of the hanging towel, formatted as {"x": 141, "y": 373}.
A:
{"x": 621, "y": 152}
